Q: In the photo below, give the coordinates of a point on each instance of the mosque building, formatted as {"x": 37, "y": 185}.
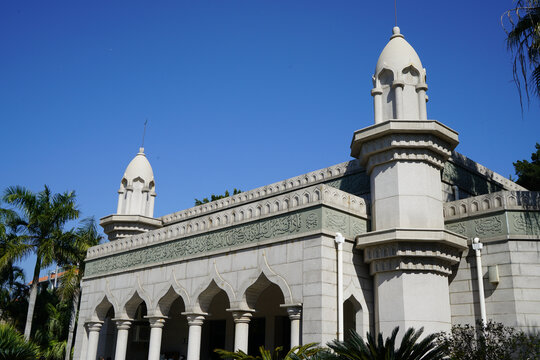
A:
{"x": 369, "y": 244}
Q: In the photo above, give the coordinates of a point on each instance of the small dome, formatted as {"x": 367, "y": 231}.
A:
{"x": 139, "y": 167}
{"x": 397, "y": 55}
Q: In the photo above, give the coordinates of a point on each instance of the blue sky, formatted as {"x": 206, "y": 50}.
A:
{"x": 237, "y": 93}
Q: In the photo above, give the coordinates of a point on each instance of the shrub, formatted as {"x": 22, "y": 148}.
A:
{"x": 411, "y": 347}
{"x": 13, "y": 346}
{"x": 492, "y": 342}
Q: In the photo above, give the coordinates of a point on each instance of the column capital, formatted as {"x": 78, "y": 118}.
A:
{"x": 156, "y": 321}
{"x": 376, "y": 91}
{"x": 241, "y": 315}
{"x": 122, "y": 324}
{"x": 93, "y": 325}
{"x": 293, "y": 310}
{"x": 195, "y": 319}
{"x": 421, "y": 86}
{"x": 398, "y": 83}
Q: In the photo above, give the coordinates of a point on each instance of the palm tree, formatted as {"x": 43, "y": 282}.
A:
{"x": 73, "y": 264}
{"x": 43, "y": 216}
{"x": 523, "y": 39}
{"x": 355, "y": 348}
{"x": 13, "y": 289}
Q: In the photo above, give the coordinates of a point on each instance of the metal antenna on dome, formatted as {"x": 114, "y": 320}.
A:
{"x": 144, "y": 132}
{"x": 395, "y": 10}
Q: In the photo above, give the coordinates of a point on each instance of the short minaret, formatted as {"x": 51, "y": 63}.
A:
{"x": 409, "y": 251}
{"x": 135, "y": 201}
{"x": 137, "y": 188}
{"x": 399, "y": 83}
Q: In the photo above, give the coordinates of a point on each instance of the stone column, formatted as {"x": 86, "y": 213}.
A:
{"x": 195, "y": 322}
{"x": 156, "y": 330}
{"x": 377, "y": 104}
{"x": 241, "y": 329}
{"x": 122, "y": 327}
{"x": 398, "y": 92}
{"x": 295, "y": 314}
{"x": 422, "y": 108}
{"x": 93, "y": 328}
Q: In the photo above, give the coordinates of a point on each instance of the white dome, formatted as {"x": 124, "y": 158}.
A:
{"x": 139, "y": 167}
{"x": 397, "y": 55}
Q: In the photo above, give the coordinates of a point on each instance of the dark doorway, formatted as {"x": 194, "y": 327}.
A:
{"x": 282, "y": 333}
{"x": 216, "y": 336}
{"x": 256, "y": 335}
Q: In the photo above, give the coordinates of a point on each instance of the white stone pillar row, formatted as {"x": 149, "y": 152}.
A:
{"x": 156, "y": 330}
{"x": 195, "y": 322}
{"x": 93, "y": 328}
{"x": 422, "y": 107}
{"x": 122, "y": 334}
{"x": 241, "y": 329}
{"x": 398, "y": 92}
{"x": 295, "y": 315}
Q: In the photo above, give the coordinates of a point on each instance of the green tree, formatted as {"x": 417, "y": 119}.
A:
{"x": 411, "y": 347}
{"x": 528, "y": 173}
{"x": 214, "y": 197}
{"x": 523, "y": 40}
{"x": 43, "y": 216}
{"x": 13, "y": 289}
{"x": 13, "y": 346}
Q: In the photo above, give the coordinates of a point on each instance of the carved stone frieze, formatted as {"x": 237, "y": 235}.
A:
{"x": 226, "y": 218}
{"x": 488, "y": 226}
{"x": 525, "y": 223}
{"x": 271, "y": 229}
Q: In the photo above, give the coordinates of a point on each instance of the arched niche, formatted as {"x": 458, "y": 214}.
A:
{"x": 353, "y": 317}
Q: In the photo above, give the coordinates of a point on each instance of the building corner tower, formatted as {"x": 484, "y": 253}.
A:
{"x": 409, "y": 251}
{"x": 136, "y": 197}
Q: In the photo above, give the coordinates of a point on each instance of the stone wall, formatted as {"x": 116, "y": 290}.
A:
{"x": 508, "y": 224}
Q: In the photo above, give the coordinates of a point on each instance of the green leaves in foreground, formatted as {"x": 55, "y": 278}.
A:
{"x": 356, "y": 348}
{"x": 307, "y": 351}
{"x": 13, "y": 346}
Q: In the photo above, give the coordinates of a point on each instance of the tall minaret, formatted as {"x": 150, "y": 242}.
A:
{"x": 409, "y": 251}
{"x": 135, "y": 201}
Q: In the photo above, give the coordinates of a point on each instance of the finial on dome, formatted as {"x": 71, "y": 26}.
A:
{"x": 396, "y": 32}
{"x": 141, "y": 150}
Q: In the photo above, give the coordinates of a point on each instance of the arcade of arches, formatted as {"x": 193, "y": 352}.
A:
{"x": 176, "y": 334}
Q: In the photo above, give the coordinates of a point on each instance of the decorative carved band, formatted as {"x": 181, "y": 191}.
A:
{"x": 318, "y": 194}
{"x": 274, "y": 228}
{"x": 494, "y": 202}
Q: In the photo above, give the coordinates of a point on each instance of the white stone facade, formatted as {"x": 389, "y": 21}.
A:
{"x": 264, "y": 267}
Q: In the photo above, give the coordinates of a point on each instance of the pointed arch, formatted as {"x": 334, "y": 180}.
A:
{"x": 205, "y": 297}
{"x": 101, "y": 309}
{"x": 165, "y": 301}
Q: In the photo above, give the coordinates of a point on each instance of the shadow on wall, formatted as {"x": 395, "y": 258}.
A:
{"x": 471, "y": 178}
